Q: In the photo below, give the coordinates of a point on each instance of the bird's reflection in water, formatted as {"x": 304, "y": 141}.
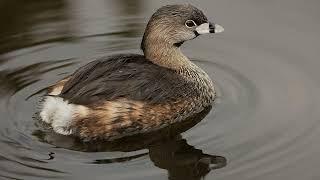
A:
{"x": 183, "y": 161}
{"x": 167, "y": 149}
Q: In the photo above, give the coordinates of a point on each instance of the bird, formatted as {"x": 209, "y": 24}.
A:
{"x": 126, "y": 94}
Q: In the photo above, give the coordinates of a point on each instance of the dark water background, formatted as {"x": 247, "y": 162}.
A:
{"x": 265, "y": 123}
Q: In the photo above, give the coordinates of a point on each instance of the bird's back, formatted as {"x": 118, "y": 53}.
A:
{"x": 128, "y": 76}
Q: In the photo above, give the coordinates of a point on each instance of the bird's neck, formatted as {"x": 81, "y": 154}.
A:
{"x": 170, "y": 56}
{"x": 167, "y": 56}
{"x": 160, "y": 48}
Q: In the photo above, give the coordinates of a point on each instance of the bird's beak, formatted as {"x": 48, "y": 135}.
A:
{"x": 206, "y": 28}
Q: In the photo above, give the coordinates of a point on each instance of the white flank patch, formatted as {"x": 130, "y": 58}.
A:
{"x": 59, "y": 113}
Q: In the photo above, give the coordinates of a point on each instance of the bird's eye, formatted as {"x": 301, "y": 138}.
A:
{"x": 190, "y": 23}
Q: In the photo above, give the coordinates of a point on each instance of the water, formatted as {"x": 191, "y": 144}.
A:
{"x": 264, "y": 125}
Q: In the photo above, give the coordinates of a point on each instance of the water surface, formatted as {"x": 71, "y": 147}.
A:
{"x": 264, "y": 124}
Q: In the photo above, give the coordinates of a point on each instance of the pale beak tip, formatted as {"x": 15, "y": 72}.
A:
{"x": 218, "y": 28}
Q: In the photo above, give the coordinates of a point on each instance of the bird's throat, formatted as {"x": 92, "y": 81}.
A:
{"x": 166, "y": 55}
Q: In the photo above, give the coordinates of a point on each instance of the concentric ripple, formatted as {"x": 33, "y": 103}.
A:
{"x": 264, "y": 124}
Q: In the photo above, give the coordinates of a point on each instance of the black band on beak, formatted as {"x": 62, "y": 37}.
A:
{"x": 211, "y": 28}
{"x": 208, "y": 27}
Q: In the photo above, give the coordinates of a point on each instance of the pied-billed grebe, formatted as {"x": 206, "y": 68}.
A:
{"x": 126, "y": 94}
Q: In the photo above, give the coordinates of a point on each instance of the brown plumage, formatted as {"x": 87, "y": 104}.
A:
{"x": 126, "y": 94}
